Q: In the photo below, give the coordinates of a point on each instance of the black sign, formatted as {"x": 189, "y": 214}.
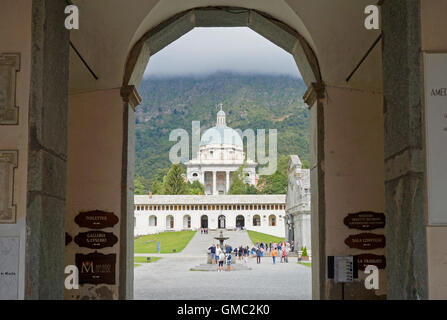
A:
{"x": 366, "y": 220}
{"x": 96, "y": 219}
{"x": 96, "y": 239}
{"x": 96, "y": 268}
{"x": 366, "y": 241}
{"x": 364, "y": 260}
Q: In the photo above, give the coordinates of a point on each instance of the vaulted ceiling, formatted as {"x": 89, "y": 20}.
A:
{"x": 334, "y": 29}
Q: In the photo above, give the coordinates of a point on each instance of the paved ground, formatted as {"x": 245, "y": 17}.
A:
{"x": 170, "y": 278}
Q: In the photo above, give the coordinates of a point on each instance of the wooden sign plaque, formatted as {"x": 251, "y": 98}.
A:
{"x": 366, "y": 220}
{"x": 366, "y": 241}
{"x": 95, "y": 239}
{"x": 370, "y": 259}
{"x": 96, "y": 219}
{"x": 96, "y": 268}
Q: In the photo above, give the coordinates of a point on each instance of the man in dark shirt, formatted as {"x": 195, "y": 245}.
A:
{"x": 213, "y": 253}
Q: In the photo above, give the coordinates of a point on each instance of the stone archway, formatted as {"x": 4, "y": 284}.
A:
{"x": 272, "y": 220}
{"x": 240, "y": 221}
{"x": 187, "y": 222}
{"x": 204, "y": 221}
{"x": 256, "y": 220}
{"x": 169, "y": 222}
{"x": 325, "y": 132}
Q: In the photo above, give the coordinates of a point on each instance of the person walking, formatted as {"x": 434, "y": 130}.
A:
{"x": 213, "y": 253}
{"x": 258, "y": 255}
{"x": 274, "y": 254}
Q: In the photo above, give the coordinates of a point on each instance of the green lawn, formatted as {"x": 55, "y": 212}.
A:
{"x": 262, "y": 237}
{"x": 140, "y": 260}
{"x": 168, "y": 242}
{"x": 307, "y": 264}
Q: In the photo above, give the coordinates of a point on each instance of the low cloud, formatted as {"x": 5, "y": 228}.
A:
{"x": 207, "y": 50}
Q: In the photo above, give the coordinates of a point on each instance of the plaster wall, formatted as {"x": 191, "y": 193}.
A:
{"x": 354, "y": 175}
{"x": 434, "y": 39}
{"x": 95, "y": 136}
{"x": 15, "y": 37}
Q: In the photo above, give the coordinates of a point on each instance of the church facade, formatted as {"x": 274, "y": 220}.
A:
{"x": 221, "y": 154}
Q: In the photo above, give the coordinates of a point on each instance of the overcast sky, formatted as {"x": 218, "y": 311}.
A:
{"x": 207, "y": 50}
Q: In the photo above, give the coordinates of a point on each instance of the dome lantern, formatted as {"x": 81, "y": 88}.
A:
{"x": 221, "y": 121}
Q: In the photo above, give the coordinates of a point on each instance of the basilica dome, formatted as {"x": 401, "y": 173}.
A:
{"x": 221, "y": 135}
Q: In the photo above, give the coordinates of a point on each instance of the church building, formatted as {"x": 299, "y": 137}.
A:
{"x": 221, "y": 154}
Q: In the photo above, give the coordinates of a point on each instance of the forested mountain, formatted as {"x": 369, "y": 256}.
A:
{"x": 250, "y": 101}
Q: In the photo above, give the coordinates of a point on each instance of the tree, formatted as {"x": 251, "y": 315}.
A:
{"x": 157, "y": 187}
{"x": 277, "y": 182}
{"x": 174, "y": 183}
{"x": 195, "y": 188}
{"x": 140, "y": 185}
{"x": 238, "y": 186}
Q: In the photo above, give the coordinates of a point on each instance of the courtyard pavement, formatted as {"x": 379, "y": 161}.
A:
{"x": 170, "y": 278}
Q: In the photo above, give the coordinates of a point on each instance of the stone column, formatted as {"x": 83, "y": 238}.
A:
{"x": 214, "y": 183}
{"x": 405, "y": 187}
{"x": 227, "y": 185}
{"x": 131, "y": 99}
{"x": 47, "y": 154}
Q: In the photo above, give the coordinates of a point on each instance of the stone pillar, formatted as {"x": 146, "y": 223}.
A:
{"x": 405, "y": 187}
{"x": 131, "y": 99}
{"x": 214, "y": 183}
{"x": 227, "y": 185}
{"x": 313, "y": 98}
{"x": 47, "y": 153}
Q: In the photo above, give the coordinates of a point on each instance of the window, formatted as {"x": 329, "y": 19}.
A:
{"x": 272, "y": 220}
{"x": 256, "y": 221}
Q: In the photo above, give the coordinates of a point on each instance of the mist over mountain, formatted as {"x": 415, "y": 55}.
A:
{"x": 251, "y": 101}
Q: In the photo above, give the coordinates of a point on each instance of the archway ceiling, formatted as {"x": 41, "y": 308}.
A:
{"x": 334, "y": 29}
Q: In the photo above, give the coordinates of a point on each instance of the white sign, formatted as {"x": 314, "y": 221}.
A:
{"x": 343, "y": 269}
{"x": 9, "y": 268}
{"x": 435, "y": 70}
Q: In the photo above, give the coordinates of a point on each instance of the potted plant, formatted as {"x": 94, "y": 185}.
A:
{"x": 304, "y": 256}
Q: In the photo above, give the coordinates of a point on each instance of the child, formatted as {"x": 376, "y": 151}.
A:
{"x": 229, "y": 262}
{"x": 274, "y": 254}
